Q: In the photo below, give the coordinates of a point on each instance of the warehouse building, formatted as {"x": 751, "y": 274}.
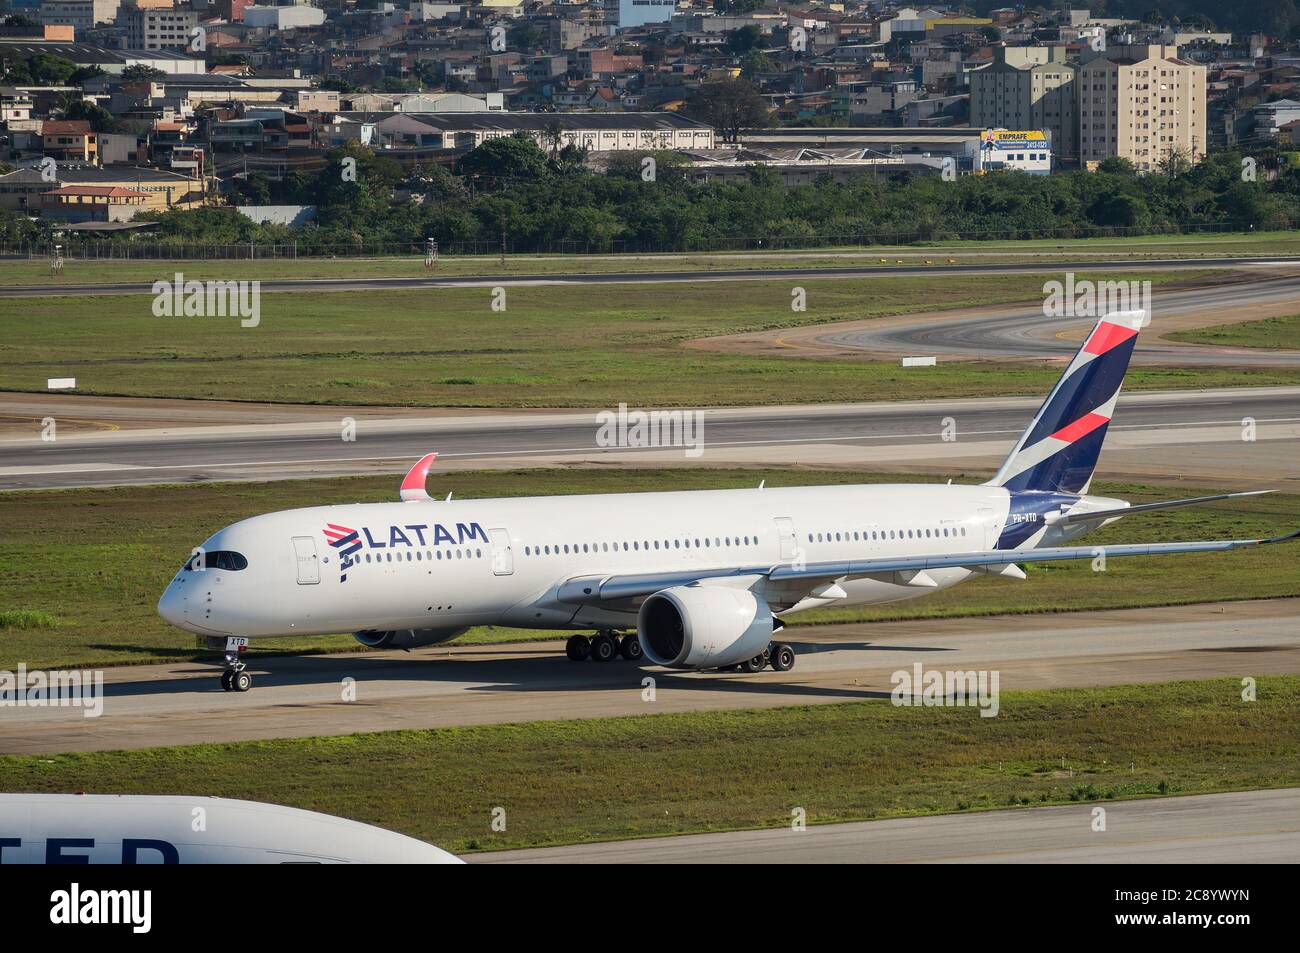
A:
{"x": 597, "y": 132}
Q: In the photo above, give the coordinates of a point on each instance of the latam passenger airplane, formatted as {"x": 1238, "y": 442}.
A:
{"x": 697, "y": 579}
{"x": 171, "y": 829}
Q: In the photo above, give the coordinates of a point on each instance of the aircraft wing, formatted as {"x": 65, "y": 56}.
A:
{"x": 595, "y": 589}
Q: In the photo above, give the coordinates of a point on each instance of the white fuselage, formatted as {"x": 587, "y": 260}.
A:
{"x": 436, "y": 564}
{"x": 174, "y": 829}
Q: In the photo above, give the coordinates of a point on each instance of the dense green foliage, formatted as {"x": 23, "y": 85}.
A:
{"x": 553, "y": 201}
{"x": 100, "y": 119}
{"x": 43, "y": 69}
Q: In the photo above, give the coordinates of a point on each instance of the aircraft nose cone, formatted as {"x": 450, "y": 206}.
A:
{"x": 172, "y": 607}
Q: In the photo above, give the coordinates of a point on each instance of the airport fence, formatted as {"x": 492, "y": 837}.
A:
{"x": 94, "y": 247}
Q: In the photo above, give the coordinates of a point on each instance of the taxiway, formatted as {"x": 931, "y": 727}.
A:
{"x": 181, "y": 703}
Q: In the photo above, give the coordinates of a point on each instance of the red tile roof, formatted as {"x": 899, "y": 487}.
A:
{"x": 65, "y": 127}
{"x": 112, "y": 191}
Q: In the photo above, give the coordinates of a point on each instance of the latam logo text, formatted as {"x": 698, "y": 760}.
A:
{"x": 73, "y": 906}
{"x": 208, "y": 299}
{"x": 935, "y": 689}
{"x": 347, "y": 542}
{"x": 55, "y": 689}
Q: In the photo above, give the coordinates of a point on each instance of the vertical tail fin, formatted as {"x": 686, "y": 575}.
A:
{"x": 1058, "y": 450}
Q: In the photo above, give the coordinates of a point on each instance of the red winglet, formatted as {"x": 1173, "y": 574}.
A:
{"x": 413, "y": 485}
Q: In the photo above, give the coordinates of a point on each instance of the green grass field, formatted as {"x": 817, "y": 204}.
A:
{"x": 1280, "y": 332}
{"x": 601, "y": 779}
{"x": 553, "y": 347}
{"x": 83, "y": 569}
{"x": 98, "y": 271}
{"x": 1225, "y": 243}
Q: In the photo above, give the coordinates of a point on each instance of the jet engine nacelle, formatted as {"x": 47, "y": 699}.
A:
{"x": 406, "y": 638}
{"x": 703, "y": 626}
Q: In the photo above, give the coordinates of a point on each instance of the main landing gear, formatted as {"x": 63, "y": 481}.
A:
{"x": 236, "y": 677}
{"x": 779, "y": 655}
{"x": 603, "y": 647}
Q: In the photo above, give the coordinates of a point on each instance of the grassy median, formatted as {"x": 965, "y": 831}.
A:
{"x": 555, "y": 346}
{"x": 83, "y": 569}
{"x": 1280, "y": 332}
{"x": 99, "y": 271}
{"x": 601, "y": 779}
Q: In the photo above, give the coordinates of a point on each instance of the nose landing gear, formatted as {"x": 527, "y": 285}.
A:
{"x": 236, "y": 677}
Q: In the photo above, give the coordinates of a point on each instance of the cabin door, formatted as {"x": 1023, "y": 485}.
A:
{"x": 503, "y": 556}
{"x": 304, "y": 550}
{"x": 789, "y": 545}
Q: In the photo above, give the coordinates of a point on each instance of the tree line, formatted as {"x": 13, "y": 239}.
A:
{"x": 538, "y": 200}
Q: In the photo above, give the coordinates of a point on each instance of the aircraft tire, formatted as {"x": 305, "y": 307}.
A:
{"x": 782, "y": 657}
{"x": 578, "y": 648}
{"x": 603, "y": 648}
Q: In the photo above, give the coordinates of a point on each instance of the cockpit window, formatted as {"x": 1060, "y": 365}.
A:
{"x": 226, "y": 559}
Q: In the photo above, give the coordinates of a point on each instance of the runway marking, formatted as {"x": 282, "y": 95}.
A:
{"x": 508, "y": 452}
{"x": 862, "y": 271}
{"x": 71, "y": 468}
{"x": 103, "y": 425}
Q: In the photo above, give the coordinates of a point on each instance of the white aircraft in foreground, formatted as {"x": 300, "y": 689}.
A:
{"x": 167, "y": 829}
{"x": 698, "y": 579}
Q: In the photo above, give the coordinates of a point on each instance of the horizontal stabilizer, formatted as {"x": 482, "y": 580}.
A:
{"x": 1064, "y": 519}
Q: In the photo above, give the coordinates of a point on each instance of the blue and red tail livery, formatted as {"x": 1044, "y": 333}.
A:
{"x": 1058, "y": 451}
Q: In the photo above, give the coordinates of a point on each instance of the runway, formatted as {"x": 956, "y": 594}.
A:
{"x": 1261, "y": 827}
{"x": 893, "y": 437}
{"x": 181, "y": 703}
{"x": 275, "y": 285}
{"x": 1024, "y": 332}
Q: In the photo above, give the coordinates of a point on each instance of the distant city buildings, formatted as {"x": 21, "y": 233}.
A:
{"x": 156, "y": 27}
{"x": 1272, "y": 118}
{"x": 283, "y": 17}
{"x": 595, "y": 132}
{"x": 1029, "y": 87}
{"x": 87, "y": 193}
{"x": 81, "y": 15}
{"x": 214, "y": 91}
{"x": 1142, "y": 103}
{"x": 633, "y": 13}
